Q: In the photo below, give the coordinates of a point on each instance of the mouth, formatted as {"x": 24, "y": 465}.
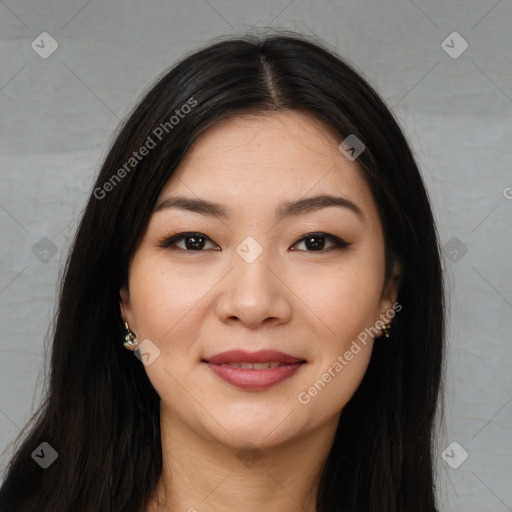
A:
{"x": 254, "y": 371}
{"x": 254, "y": 366}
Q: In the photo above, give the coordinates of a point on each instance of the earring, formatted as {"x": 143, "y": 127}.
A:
{"x": 130, "y": 340}
{"x": 385, "y": 330}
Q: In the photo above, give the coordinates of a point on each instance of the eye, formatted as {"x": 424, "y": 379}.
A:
{"x": 195, "y": 242}
{"x": 316, "y": 242}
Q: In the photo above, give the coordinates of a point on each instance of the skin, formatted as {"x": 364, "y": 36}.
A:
{"x": 308, "y": 303}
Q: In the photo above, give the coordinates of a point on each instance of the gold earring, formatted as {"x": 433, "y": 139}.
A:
{"x": 385, "y": 330}
{"x": 130, "y": 339}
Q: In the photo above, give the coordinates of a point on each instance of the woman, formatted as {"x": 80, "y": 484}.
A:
{"x": 260, "y": 238}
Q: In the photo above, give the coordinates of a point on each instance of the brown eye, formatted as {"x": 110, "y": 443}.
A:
{"x": 192, "y": 241}
{"x": 315, "y": 242}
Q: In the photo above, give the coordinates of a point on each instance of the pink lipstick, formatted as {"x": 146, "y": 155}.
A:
{"x": 254, "y": 371}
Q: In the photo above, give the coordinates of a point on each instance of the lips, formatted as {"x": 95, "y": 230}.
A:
{"x": 254, "y": 371}
{"x": 262, "y": 356}
{"x": 254, "y": 366}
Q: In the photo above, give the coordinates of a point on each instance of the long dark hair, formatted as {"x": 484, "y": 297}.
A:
{"x": 100, "y": 412}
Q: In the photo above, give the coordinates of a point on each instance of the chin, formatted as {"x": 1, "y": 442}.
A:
{"x": 261, "y": 433}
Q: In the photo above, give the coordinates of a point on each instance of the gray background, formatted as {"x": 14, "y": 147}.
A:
{"x": 59, "y": 115}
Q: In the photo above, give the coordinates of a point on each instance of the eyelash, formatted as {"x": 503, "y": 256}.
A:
{"x": 170, "y": 241}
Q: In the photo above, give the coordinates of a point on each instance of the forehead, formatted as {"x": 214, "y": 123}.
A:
{"x": 252, "y": 162}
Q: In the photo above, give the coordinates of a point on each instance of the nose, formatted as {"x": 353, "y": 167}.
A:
{"x": 255, "y": 294}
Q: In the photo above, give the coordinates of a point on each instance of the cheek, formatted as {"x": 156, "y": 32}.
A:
{"x": 345, "y": 300}
{"x": 165, "y": 301}
{"x": 338, "y": 382}
{"x": 346, "y": 304}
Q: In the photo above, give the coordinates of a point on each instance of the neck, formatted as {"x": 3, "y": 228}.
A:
{"x": 202, "y": 475}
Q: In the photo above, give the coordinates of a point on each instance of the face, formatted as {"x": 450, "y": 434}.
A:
{"x": 257, "y": 274}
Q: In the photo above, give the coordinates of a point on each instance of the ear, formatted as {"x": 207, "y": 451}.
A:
{"x": 390, "y": 291}
{"x": 125, "y": 305}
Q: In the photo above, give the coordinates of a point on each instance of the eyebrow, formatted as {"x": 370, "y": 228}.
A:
{"x": 287, "y": 209}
